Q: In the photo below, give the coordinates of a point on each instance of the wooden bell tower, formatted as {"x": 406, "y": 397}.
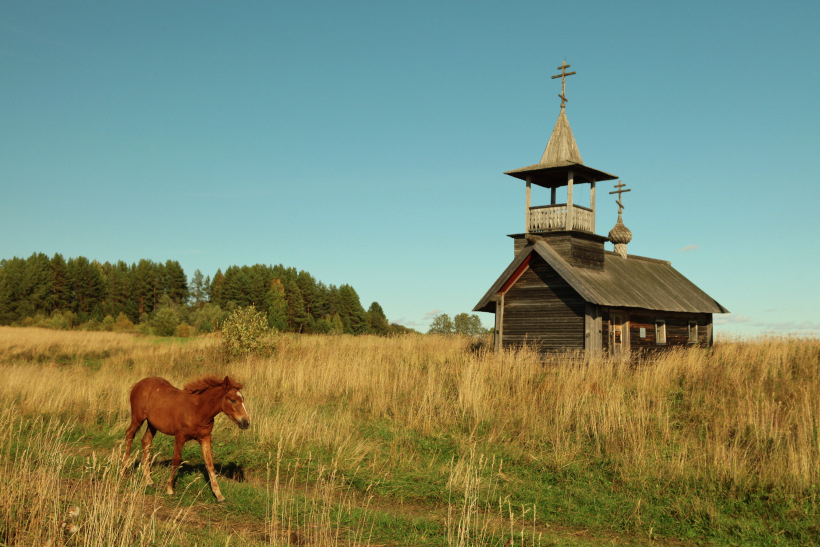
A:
{"x": 561, "y": 165}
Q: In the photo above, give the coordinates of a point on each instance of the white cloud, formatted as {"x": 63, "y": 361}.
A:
{"x": 749, "y": 324}
{"x": 430, "y": 315}
{"x": 731, "y": 319}
{"x": 689, "y": 248}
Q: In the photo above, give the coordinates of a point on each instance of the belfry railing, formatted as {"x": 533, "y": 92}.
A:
{"x": 547, "y": 218}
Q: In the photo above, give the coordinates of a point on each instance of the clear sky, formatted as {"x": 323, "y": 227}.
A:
{"x": 365, "y": 142}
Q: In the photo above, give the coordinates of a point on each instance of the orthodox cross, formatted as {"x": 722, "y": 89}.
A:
{"x": 563, "y": 68}
{"x": 620, "y": 190}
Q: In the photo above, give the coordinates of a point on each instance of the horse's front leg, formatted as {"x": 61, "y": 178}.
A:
{"x": 179, "y": 441}
{"x": 205, "y": 443}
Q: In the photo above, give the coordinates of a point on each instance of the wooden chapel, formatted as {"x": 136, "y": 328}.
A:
{"x": 563, "y": 291}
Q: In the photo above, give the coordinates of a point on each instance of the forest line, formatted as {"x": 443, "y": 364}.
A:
{"x": 159, "y": 298}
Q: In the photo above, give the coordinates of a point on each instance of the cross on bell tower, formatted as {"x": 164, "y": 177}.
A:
{"x": 563, "y": 68}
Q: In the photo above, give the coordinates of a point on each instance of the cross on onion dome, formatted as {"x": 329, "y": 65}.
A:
{"x": 620, "y": 190}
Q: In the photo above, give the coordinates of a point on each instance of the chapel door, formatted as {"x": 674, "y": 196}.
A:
{"x": 617, "y": 335}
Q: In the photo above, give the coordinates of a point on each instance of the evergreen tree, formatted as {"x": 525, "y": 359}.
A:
{"x": 11, "y": 276}
{"x": 296, "y": 315}
{"x": 60, "y": 289}
{"x": 198, "y": 288}
{"x": 277, "y": 306}
{"x": 35, "y": 286}
{"x": 175, "y": 282}
{"x": 353, "y": 315}
{"x": 216, "y": 288}
{"x": 87, "y": 285}
{"x": 307, "y": 286}
{"x": 377, "y": 319}
{"x": 143, "y": 286}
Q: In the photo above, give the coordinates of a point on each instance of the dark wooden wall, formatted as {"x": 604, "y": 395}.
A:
{"x": 580, "y": 250}
{"x": 542, "y": 310}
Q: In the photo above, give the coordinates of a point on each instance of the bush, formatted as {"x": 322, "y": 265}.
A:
{"x": 123, "y": 323}
{"x": 184, "y": 330}
{"x": 243, "y": 332}
{"x": 108, "y": 323}
{"x": 59, "y": 321}
{"x": 165, "y": 321}
{"x": 208, "y": 317}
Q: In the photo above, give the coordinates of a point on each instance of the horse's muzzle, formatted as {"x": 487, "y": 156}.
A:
{"x": 243, "y": 423}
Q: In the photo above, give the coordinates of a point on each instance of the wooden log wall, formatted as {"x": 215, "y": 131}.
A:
{"x": 542, "y": 310}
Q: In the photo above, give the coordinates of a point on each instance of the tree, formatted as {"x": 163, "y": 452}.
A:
{"x": 166, "y": 319}
{"x": 216, "y": 288}
{"x": 377, "y": 319}
{"x": 87, "y": 284}
{"x": 469, "y": 325}
{"x": 61, "y": 292}
{"x": 143, "y": 286}
{"x": 277, "y": 306}
{"x": 353, "y": 315}
{"x": 198, "y": 288}
{"x": 296, "y": 314}
{"x": 175, "y": 282}
{"x": 442, "y": 324}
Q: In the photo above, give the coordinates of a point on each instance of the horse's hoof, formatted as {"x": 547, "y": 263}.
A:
{"x": 220, "y": 500}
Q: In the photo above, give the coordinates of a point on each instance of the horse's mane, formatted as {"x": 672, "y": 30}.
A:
{"x": 207, "y": 382}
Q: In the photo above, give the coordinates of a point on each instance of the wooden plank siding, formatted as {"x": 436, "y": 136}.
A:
{"x": 542, "y": 310}
{"x": 677, "y": 329}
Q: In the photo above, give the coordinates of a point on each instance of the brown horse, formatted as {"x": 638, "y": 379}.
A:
{"x": 186, "y": 414}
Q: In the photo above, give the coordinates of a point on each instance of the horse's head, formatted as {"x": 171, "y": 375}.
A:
{"x": 233, "y": 404}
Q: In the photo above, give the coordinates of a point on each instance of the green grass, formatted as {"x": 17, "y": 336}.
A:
{"x": 411, "y": 496}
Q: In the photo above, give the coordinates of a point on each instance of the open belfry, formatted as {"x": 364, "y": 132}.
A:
{"x": 563, "y": 291}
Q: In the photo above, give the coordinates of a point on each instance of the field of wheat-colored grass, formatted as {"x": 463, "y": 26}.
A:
{"x": 353, "y": 437}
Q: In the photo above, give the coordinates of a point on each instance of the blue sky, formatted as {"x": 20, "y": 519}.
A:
{"x": 365, "y": 142}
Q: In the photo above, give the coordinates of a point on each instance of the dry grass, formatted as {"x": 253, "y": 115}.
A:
{"x": 743, "y": 414}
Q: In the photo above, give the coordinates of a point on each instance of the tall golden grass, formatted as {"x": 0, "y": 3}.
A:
{"x": 745, "y": 413}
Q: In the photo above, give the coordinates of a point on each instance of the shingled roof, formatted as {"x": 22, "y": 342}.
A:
{"x": 633, "y": 282}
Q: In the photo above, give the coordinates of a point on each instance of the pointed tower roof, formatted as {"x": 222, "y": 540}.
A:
{"x": 561, "y": 148}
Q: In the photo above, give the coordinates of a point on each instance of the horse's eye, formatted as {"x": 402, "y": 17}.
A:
{"x": 233, "y": 401}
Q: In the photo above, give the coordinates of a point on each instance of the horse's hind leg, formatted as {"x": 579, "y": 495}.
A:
{"x": 150, "y": 431}
{"x": 129, "y": 438}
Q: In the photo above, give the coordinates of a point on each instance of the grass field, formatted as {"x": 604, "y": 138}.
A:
{"x": 417, "y": 440}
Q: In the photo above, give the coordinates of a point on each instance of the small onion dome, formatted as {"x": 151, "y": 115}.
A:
{"x": 620, "y": 235}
